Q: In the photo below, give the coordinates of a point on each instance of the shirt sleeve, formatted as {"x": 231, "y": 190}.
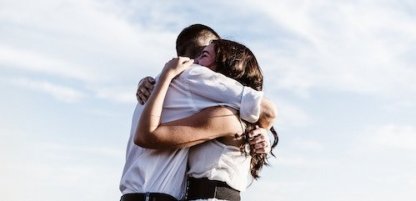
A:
{"x": 205, "y": 83}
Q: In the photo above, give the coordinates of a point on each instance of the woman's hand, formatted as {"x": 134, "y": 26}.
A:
{"x": 177, "y": 65}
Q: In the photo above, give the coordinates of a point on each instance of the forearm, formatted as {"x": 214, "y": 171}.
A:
{"x": 151, "y": 116}
{"x": 205, "y": 125}
{"x": 177, "y": 136}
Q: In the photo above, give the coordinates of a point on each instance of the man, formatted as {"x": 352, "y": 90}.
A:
{"x": 160, "y": 174}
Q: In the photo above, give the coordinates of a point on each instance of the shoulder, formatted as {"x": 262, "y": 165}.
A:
{"x": 198, "y": 71}
{"x": 201, "y": 74}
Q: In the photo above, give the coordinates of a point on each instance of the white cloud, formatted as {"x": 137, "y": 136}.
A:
{"x": 307, "y": 144}
{"x": 350, "y": 46}
{"x": 117, "y": 94}
{"x": 48, "y": 170}
{"x": 274, "y": 190}
{"x": 36, "y": 62}
{"x": 290, "y": 115}
{"x": 97, "y": 45}
{"x": 62, "y": 93}
{"x": 291, "y": 161}
{"x": 88, "y": 40}
{"x": 402, "y": 137}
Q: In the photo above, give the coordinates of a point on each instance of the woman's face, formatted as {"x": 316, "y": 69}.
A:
{"x": 207, "y": 57}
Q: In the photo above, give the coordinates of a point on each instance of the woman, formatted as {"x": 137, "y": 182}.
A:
{"x": 225, "y": 168}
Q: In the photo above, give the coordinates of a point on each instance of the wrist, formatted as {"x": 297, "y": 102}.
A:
{"x": 167, "y": 75}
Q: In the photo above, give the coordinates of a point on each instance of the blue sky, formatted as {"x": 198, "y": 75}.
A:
{"x": 341, "y": 73}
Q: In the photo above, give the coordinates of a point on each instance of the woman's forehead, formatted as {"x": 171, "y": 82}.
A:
{"x": 209, "y": 47}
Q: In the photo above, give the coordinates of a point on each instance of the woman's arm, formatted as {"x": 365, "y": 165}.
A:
{"x": 205, "y": 125}
{"x": 151, "y": 114}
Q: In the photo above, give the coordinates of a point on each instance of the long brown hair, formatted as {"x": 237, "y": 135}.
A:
{"x": 236, "y": 61}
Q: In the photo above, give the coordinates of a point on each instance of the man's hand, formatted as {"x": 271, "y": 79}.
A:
{"x": 144, "y": 89}
{"x": 259, "y": 141}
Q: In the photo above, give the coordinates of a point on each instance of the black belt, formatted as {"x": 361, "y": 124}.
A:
{"x": 203, "y": 188}
{"x": 147, "y": 197}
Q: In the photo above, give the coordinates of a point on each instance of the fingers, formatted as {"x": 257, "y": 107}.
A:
{"x": 144, "y": 89}
{"x": 256, "y": 139}
{"x": 148, "y": 86}
{"x": 258, "y": 132}
{"x": 142, "y": 99}
{"x": 261, "y": 148}
{"x": 188, "y": 63}
{"x": 142, "y": 95}
{"x": 186, "y": 60}
{"x": 259, "y": 141}
{"x": 178, "y": 60}
{"x": 150, "y": 80}
{"x": 177, "y": 65}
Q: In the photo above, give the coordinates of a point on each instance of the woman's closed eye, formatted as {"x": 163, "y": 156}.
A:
{"x": 199, "y": 58}
{"x": 203, "y": 54}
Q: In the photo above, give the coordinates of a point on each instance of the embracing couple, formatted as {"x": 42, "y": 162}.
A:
{"x": 200, "y": 131}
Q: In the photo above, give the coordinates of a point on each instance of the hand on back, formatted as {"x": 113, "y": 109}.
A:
{"x": 177, "y": 65}
{"x": 144, "y": 89}
{"x": 174, "y": 66}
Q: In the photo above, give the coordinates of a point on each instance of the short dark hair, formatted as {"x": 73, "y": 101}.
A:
{"x": 187, "y": 42}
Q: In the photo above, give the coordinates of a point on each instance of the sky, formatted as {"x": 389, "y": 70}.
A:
{"x": 340, "y": 72}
